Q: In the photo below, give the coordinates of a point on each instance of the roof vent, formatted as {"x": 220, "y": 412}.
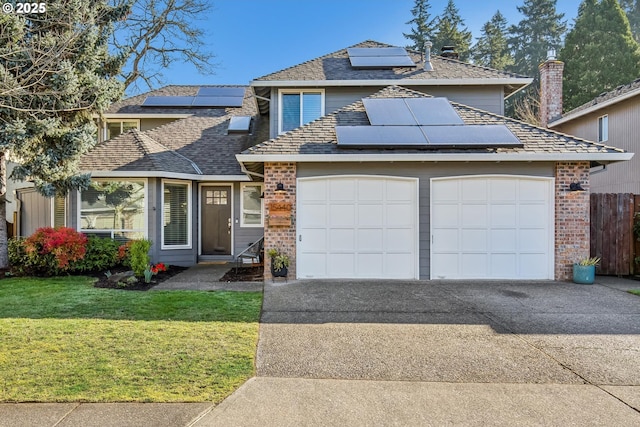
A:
{"x": 427, "y": 56}
{"x": 551, "y": 54}
{"x": 449, "y": 52}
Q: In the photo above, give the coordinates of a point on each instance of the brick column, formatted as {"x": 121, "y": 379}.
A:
{"x": 281, "y": 237}
{"x": 572, "y": 217}
{"x": 550, "y": 90}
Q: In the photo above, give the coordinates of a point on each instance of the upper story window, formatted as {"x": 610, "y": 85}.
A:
{"x": 603, "y": 128}
{"x": 116, "y": 127}
{"x": 298, "y": 107}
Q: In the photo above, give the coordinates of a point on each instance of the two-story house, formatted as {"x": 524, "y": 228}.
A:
{"x": 369, "y": 162}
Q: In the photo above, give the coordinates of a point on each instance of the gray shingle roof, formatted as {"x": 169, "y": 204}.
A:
{"x": 336, "y": 66}
{"x": 607, "y": 96}
{"x": 319, "y": 136}
{"x": 201, "y": 138}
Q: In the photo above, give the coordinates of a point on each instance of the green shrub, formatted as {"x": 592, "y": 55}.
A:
{"x": 139, "y": 256}
{"x": 101, "y": 254}
{"x": 17, "y": 256}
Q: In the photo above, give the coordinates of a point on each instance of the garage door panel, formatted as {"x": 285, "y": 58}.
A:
{"x": 369, "y": 190}
{"x": 400, "y": 215}
{"x": 399, "y": 266}
{"x": 399, "y": 191}
{"x": 474, "y": 265}
{"x": 474, "y": 215}
{"x": 342, "y": 190}
{"x": 474, "y": 240}
{"x": 504, "y": 240}
{"x": 445, "y": 215}
{"x": 500, "y": 224}
{"x": 474, "y": 190}
{"x": 504, "y": 265}
{"x": 504, "y": 215}
{"x": 400, "y": 240}
{"x": 316, "y": 239}
{"x": 370, "y": 215}
{"x": 317, "y": 215}
{"x": 342, "y": 215}
{"x": 370, "y": 239}
{"x": 533, "y": 216}
{"x": 370, "y": 265}
{"x": 503, "y": 190}
{"x": 342, "y": 240}
{"x": 341, "y": 265}
{"x": 315, "y": 264}
{"x": 314, "y": 191}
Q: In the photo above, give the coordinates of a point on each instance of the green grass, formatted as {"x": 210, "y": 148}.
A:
{"x": 635, "y": 292}
{"x": 63, "y": 340}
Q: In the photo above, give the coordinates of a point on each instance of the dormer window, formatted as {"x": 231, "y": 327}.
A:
{"x": 299, "y": 107}
{"x": 116, "y": 127}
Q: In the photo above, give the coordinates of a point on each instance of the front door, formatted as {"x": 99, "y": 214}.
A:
{"x": 216, "y": 220}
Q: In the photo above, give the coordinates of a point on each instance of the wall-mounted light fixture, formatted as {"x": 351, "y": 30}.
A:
{"x": 280, "y": 188}
{"x": 575, "y": 186}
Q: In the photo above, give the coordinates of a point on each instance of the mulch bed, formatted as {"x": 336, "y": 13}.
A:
{"x": 245, "y": 274}
{"x": 103, "y": 282}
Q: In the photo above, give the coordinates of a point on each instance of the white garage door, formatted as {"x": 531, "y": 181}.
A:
{"x": 492, "y": 227}
{"x": 357, "y": 227}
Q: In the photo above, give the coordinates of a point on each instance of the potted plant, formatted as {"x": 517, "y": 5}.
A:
{"x": 279, "y": 262}
{"x": 584, "y": 271}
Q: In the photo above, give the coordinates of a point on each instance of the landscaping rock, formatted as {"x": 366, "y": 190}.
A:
{"x": 121, "y": 277}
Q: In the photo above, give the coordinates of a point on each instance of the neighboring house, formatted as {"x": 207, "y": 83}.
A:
{"x": 612, "y": 119}
{"x": 366, "y": 173}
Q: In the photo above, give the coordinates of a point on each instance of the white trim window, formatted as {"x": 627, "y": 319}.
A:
{"x": 115, "y": 208}
{"x": 176, "y": 214}
{"x": 113, "y": 128}
{"x": 299, "y": 107}
{"x": 251, "y": 205}
{"x": 603, "y": 128}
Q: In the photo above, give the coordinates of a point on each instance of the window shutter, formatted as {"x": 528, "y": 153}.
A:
{"x": 59, "y": 210}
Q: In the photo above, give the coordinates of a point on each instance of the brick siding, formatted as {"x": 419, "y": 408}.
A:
{"x": 281, "y": 237}
{"x": 571, "y": 217}
{"x": 550, "y": 91}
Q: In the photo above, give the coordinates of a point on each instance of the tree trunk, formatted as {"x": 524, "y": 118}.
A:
{"x": 4, "y": 254}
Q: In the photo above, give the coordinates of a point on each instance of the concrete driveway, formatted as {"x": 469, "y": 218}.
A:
{"x": 443, "y": 352}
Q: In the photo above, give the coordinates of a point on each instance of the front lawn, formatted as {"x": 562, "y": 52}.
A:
{"x": 635, "y": 292}
{"x": 62, "y": 340}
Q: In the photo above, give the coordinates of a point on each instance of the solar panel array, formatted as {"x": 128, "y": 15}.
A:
{"x": 420, "y": 123}
{"x": 207, "y": 97}
{"x": 379, "y": 57}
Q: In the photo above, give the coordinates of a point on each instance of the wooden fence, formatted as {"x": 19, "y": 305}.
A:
{"x": 612, "y": 237}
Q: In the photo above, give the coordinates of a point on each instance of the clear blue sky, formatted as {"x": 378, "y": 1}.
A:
{"x": 251, "y": 38}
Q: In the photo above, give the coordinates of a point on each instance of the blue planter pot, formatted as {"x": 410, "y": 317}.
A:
{"x": 584, "y": 274}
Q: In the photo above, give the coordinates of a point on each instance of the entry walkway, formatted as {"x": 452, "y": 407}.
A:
{"x": 206, "y": 277}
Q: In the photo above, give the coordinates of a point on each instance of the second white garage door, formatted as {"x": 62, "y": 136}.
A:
{"x": 492, "y": 227}
{"x": 357, "y": 227}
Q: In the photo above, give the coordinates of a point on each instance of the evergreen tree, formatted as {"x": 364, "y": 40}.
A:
{"x": 540, "y": 29}
{"x": 632, "y": 9}
{"x": 599, "y": 54}
{"x": 451, "y": 31}
{"x": 56, "y": 75}
{"x": 492, "y": 50}
{"x": 422, "y": 26}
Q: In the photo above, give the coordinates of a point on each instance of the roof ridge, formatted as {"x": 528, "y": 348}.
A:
{"x": 604, "y": 96}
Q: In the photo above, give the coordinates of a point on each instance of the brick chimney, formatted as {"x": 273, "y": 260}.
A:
{"x": 550, "y": 88}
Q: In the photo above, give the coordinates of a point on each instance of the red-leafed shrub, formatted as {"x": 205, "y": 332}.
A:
{"x": 52, "y": 250}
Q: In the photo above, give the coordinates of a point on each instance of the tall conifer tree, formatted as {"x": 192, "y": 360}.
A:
{"x": 632, "y": 9}
{"x": 492, "y": 50}
{"x": 422, "y": 29}
{"x": 451, "y": 31}
{"x": 599, "y": 54}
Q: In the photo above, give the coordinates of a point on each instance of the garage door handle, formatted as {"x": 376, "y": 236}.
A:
{"x": 300, "y": 237}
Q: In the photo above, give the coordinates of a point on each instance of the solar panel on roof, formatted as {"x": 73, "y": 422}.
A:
{"x": 239, "y": 124}
{"x": 168, "y": 101}
{"x": 221, "y": 91}
{"x": 381, "y": 61}
{"x": 433, "y": 111}
{"x": 471, "y": 136}
{"x": 217, "y": 101}
{"x": 388, "y": 111}
{"x": 376, "y": 51}
{"x": 380, "y": 136}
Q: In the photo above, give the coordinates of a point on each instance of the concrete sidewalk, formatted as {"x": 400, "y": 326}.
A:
{"x": 206, "y": 277}
{"x": 417, "y": 353}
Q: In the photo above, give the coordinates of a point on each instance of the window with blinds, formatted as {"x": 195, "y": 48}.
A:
{"x": 299, "y": 107}
{"x": 58, "y": 209}
{"x": 176, "y": 214}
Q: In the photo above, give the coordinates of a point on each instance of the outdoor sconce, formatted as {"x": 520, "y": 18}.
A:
{"x": 575, "y": 186}
{"x": 280, "y": 188}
